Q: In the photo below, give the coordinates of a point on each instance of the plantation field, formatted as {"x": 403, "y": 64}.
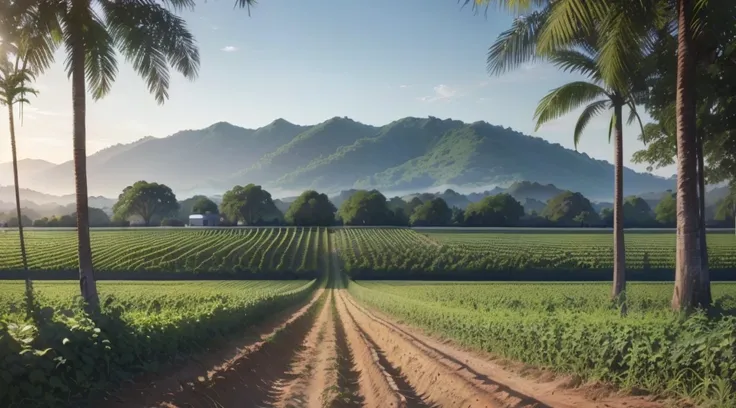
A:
{"x": 269, "y": 252}
{"x": 575, "y": 328}
{"x": 65, "y": 355}
{"x": 366, "y": 253}
{"x": 428, "y": 254}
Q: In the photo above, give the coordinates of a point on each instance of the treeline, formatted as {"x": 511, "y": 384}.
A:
{"x": 147, "y": 204}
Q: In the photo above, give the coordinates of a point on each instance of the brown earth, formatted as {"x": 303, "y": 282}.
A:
{"x": 334, "y": 353}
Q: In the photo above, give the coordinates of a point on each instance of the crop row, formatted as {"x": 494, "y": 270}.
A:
{"x": 64, "y": 357}
{"x": 383, "y": 253}
{"x": 574, "y": 328}
{"x": 264, "y": 250}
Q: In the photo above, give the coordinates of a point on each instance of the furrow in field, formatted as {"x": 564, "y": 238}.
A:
{"x": 436, "y": 382}
{"x": 377, "y": 387}
{"x": 310, "y": 366}
{"x": 478, "y": 373}
{"x": 241, "y": 374}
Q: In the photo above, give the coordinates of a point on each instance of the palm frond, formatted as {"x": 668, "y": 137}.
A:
{"x": 567, "y": 19}
{"x": 179, "y": 5}
{"x": 153, "y": 38}
{"x": 588, "y": 113}
{"x": 100, "y": 63}
{"x": 566, "y": 98}
{"x": 517, "y": 45}
{"x": 620, "y": 45}
{"x": 611, "y": 124}
{"x": 246, "y": 4}
{"x": 514, "y": 6}
{"x": 634, "y": 115}
{"x": 576, "y": 61}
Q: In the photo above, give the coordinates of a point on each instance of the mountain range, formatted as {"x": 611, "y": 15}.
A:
{"x": 409, "y": 154}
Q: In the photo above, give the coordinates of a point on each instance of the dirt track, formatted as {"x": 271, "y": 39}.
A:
{"x": 333, "y": 352}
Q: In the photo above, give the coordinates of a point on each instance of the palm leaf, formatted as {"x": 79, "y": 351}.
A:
{"x": 153, "y": 38}
{"x": 100, "y": 65}
{"x": 566, "y": 98}
{"x": 588, "y": 113}
{"x": 517, "y": 45}
{"x": 611, "y": 124}
{"x": 567, "y": 20}
{"x": 576, "y": 61}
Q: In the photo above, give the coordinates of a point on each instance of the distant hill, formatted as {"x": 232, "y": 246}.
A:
{"x": 27, "y": 168}
{"x": 409, "y": 154}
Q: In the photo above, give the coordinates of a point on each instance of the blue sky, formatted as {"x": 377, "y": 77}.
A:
{"x": 310, "y": 60}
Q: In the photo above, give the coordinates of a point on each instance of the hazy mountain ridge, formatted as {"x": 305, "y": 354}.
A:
{"x": 409, "y": 154}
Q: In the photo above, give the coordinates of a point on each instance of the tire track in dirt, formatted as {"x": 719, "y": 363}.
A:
{"x": 376, "y": 386}
{"x": 438, "y": 384}
{"x": 243, "y": 379}
{"x": 513, "y": 390}
{"x": 311, "y": 367}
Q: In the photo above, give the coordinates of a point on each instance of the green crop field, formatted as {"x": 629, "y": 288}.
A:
{"x": 407, "y": 254}
{"x": 268, "y": 251}
{"x": 67, "y": 355}
{"x": 367, "y": 253}
{"x": 575, "y": 327}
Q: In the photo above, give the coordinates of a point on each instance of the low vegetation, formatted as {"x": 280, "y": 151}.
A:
{"x": 66, "y": 355}
{"x": 552, "y": 255}
{"x": 260, "y": 252}
{"x": 576, "y": 328}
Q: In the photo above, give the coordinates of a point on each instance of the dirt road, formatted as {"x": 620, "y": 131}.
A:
{"x": 333, "y": 352}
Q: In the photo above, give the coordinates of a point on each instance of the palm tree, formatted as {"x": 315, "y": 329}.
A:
{"x": 151, "y": 37}
{"x": 521, "y": 44}
{"x": 597, "y": 98}
{"x": 24, "y": 52}
{"x": 621, "y": 24}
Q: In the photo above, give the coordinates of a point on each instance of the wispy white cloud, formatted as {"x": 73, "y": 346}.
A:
{"x": 229, "y": 48}
{"x": 442, "y": 93}
{"x": 403, "y": 86}
{"x": 482, "y": 84}
{"x": 34, "y": 111}
{"x": 215, "y": 28}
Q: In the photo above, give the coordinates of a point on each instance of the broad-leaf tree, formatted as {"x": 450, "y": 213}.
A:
{"x": 365, "y": 208}
{"x": 145, "y": 200}
{"x": 250, "y": 204}
{"x": 311, "y": 209}
{"x": 204, "y": 205}
{"x": 501, "y": 210}
{"x": 150, "y": 36}
{"x": 433, "y": 213}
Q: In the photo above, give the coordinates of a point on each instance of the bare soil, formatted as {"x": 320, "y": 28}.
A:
{"x": 335, "y": 353}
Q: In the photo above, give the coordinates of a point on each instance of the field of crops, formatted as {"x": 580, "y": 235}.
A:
{"x": 266, "y": 251}
{"x": 409, "y": 254}
{"x": 65, "y": 355}
{"x": 575, "y": 328}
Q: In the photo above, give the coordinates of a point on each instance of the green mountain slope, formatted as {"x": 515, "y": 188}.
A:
{"x": 394, "y": 144}
{"x": 314, "y": 144}
{"x": 404, "y": 156}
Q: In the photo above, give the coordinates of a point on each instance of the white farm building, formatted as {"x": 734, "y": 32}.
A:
{"x": 204, "y": 220}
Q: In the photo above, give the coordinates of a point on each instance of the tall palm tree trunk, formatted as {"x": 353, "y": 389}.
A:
{"x": 619, "y": 248}
{"x": 687, "y": 271}
{"x": 703, "y": 297}
{"x": 23, "y": 256}
{"x": 87, "y": 283}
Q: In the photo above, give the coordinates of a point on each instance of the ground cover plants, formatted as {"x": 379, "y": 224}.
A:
{"x": 575, "y": 328}
{"x": 63, "y": 355}
{"x": 264, "y": 252}
{"x": 496, "y": 255}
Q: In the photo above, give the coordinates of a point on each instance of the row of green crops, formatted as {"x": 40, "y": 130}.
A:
{"x": 415, "y": 254}
{"x": 575, "y": 328}
{"x": 263, "y": 251}
{"x": 64, "y": 356}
